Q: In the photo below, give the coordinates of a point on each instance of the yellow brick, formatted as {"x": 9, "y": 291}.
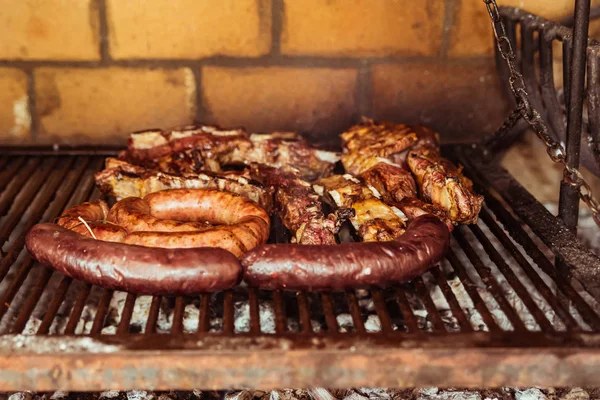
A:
{"x": 358, "y": 28}
{"x": 14, "y": 112}
{"x": 46, "y": 29}
{"x": 472, "y": 34}
{"x": 103, "y": 105}
{"x": 460, "y": 100}
{"x": 188, "y": 28}
{"x": 315, "y": 100}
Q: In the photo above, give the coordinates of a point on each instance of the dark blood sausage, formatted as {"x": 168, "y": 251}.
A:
{"x": 136, "y": 269}
{"x": 349, "y": 265}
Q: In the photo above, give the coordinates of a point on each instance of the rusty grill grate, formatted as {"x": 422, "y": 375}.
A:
{"x": 495, "y": 312}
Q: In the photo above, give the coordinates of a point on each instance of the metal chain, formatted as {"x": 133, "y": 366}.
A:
{"x": 555, "y": 150}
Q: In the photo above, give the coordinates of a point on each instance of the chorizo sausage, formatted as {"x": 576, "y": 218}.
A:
{"x": 131, "y": 268}
{"x": 94, "y": 214}
{"x": 155, "y": 220}
{"x": 349, "y": 265}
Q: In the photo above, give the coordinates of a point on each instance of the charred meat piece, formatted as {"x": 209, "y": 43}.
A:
{"x": 376, "y": 152}
{"x": 121, "y": 179}
{"x": 393, "y": 182}
{"x": 373, "y": 220}
{"x": 209, "y": 141}
{"x": 413, "y": 208}
{"x": 298, "y": 206}
{"x": 194, "y": 148}
{"x": 443, "y": 184}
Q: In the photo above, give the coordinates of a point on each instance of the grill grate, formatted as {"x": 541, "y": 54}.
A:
{"x": 498, "y": 291}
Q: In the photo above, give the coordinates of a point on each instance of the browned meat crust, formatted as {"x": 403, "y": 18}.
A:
{"x": 443, "y": 184}
{"x": 299, "y": 206}
{"x": 121, "y": 179}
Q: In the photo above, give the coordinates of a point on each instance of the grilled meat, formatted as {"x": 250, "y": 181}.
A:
{"x": 393, "y": 182}
{"x": 375, "y": 151}
{"x": 381, "y": 153}
{"x": 121, "y": 179}
{"x": 413, "y": 208}
{"x": 299, "y": 206}
{"x": 373, "y": 220}
{"x": 443, "y": 184}
{"x": 194, "y": 148}
{"x": 209, "y": 141}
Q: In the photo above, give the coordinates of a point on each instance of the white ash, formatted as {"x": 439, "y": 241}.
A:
{"x": 345, "y": 323}
{"x": 242, "y": 317}
{"x": 32, "y": 326}
{"x": 109, "y": 394}
{"x": 375, "y": 393}
{"x": 373, "y": 324}
{"x": 576, "y": 394}
{"x": 530, "y": 394}
{"x": 450, "y": 395}
{"x": 59, "y": 394}
{"x": 20, "y": 396}
{"x": 139, "y": 395}
{"x": 355, "y": 396}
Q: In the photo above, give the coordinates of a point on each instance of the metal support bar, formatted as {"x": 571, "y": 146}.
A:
{"x": 569, "y": 198}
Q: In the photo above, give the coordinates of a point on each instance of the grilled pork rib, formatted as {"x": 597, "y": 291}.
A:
{"x": 443, "y": 184}
{"x": 383, "y": 153}
{"x": 298, "y": 206}
{"x": 121, "y": 179}
{"x": 194, "y": 148}
{"x": 370, "y": 152}
{"x": 373, "y": 220}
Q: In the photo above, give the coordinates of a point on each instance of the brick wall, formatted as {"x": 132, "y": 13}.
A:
{"x": 89, "y": 71}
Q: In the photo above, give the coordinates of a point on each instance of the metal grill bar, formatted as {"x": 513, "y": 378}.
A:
{"x": 533, "y": 251}
{"x": 332, "y": 325}
{"x": 357, "y": 320}
{"x": 381, "y": 309}
{"x": 55, "y": 304}
{"x": 279, "y": 309}
{"x": 490, "y": 282}
{"x": 178, "y": 315}
{"x": 123, "y": 327}
{"x": 32, "y": 301}
{"x": 432, "y": 312}
{"x": 254, "y": 311}
{"x": 7, "y": 175}
{"x": 203, "y": 321}
{"x": 20, "y": 198}
{"x": 512, "y": 279}
{"x": 304, "y": 313}
{"x": 153, "y": 314}
{"x": 457, "y": 311}
{"x": 77, "y": 310}
{"x": 15, "y": 285}
{"x": 541, "y": 286}
{"x": 410, "y": 321}
{"x": 469, "y": 286}
{"x": 101, "y": 311}
{"x": 228, "y": 312}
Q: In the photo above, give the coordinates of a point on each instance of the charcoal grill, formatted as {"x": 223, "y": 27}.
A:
{"x": 496, "y": 312}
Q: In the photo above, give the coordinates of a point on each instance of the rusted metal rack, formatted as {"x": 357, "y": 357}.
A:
{"x": 510, "y": 318}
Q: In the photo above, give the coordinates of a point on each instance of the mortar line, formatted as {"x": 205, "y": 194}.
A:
{"x": 450, "y": 11}
{"x": 200, "y": 111}
{"x": 103, "y": 32}
{"x": 277, "y": 14}
{"x": 31, "y": 105}
{"x": 241, "y": 62}
{"x": 364, "y": 91}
